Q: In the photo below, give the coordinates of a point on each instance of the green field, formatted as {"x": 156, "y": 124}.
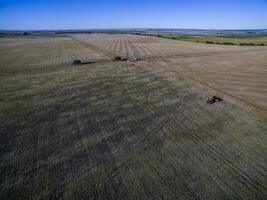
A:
{"x": 227, "y": 39}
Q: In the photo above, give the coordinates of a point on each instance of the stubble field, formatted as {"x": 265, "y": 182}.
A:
{"x": 133, "y": 129}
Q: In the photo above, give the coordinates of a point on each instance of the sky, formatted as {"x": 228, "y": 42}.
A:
{"x": 100, "y": 14}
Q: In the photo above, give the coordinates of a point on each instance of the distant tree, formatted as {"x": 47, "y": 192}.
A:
{"x": 119, "y": 58}
{"x": 26, "y": 33}
{"x": 228, "y": 43}
{"x": 210, "y": 42}
{"x": 247, "y": 44}
{"x": 77, "y": 62}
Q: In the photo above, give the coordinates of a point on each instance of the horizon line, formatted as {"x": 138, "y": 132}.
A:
{"x": 87, "y": 29}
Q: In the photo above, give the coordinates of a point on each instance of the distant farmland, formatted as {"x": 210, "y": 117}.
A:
{"x": 134, "y": 129}
{"x": 242, "y": 39}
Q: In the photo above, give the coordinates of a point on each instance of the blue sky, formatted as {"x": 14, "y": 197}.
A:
{"x": 71, "y": 14}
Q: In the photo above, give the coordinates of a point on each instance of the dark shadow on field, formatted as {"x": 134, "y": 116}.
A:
{"x": 79, "y": 62}
{"x": 88, "y": 62}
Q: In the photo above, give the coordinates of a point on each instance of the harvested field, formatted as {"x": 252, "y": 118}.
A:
{"x": 132, "y": 129}
{"x": 44, "y": 51}
{"x": 151, "y": 47}
{"x": 241, "y": 75}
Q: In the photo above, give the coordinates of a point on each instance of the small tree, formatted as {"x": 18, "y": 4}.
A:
{"x": 210, "y": 42}
{"x": 26, "y": 33}
{"x": 77, "y": 62}
{"x": 119, "y": 58}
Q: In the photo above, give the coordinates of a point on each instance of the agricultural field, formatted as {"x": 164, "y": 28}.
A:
{"x": 43, "y": 51}
{"x": 240, "y": 75}
{"x": 244, "y": 39}
{"x": 134, "y": 129}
